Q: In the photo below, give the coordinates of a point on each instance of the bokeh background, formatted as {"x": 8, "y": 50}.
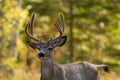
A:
{"x": 92, "y": 28}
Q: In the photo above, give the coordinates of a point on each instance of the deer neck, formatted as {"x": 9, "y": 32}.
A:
{"x": 47, "y": 69}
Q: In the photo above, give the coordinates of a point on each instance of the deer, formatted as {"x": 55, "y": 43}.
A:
{"x": 52, "y": 71}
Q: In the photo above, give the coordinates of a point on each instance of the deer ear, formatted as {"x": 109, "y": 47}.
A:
{"x": 33, "y": 45}
{"x": 59, "y": 42}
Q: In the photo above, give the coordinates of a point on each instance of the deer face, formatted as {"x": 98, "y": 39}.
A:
{"x": 46, "y": 48}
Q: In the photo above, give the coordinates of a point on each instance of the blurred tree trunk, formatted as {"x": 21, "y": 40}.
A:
{"x": 71, "y": 30}
{"x": 1, "y": 43}
{"x": 119, "y": 20}
{"x": 1, "y": 36}
{"x": 15, "y": 38}
{"x": 16, "y": 35}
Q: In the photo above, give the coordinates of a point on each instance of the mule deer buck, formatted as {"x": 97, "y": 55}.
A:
{"x": 51, "y": 71}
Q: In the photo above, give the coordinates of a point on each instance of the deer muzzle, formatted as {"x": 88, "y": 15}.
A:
{"x": 40, "y": 55}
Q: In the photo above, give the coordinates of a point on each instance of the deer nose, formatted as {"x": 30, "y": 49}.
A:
{"x": 40, "y": 55}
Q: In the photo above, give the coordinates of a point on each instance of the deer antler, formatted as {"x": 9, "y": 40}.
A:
{"x": 30, "y": 25}
{"x": 61, "y": 31}
{"x": 29, "y": 28}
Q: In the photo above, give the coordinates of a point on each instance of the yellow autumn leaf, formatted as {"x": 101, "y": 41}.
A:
{"x": 2, "y": 21}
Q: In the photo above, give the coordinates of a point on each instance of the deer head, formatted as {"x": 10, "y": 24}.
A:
{"x": 46, "y": 48}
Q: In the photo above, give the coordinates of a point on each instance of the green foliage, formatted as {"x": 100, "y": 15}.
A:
{"x": 96, "y": 31}
{"x": 11, "y": 22}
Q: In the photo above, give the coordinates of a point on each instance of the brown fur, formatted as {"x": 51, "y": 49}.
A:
{"x": 72, "y": 71}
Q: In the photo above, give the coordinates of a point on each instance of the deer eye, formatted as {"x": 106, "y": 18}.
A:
{"x": 49, "y": 48}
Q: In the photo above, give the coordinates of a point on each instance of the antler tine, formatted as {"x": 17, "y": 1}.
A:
{"x": 31, "y": 29}
{"x": 63, "y": 23}
{"x": 31, "y": 24}
{"x": 58, "y": 28}
{"x": 61, "y": 31}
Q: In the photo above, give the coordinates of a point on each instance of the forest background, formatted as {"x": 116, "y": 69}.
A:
{"x": 92, "y": 28}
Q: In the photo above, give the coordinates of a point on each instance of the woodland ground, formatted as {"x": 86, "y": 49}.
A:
{"x": 20, "y": 74}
